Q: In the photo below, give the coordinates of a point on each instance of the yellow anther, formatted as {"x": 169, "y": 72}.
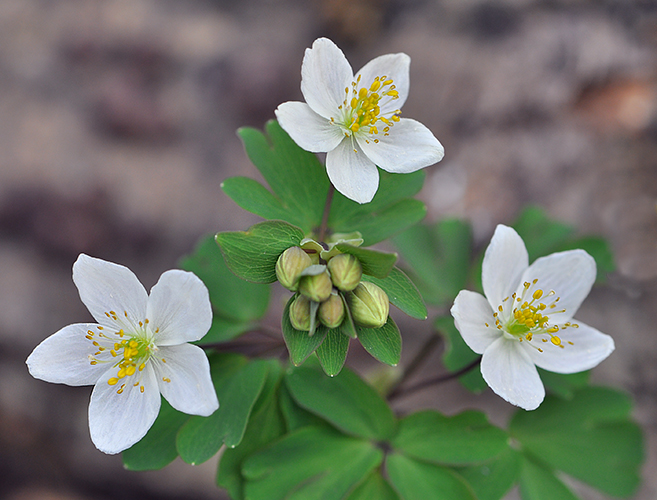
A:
{"x": 553, "y": 329}
{"x": 113, "y": 353}
{"x": 142, "y": 366}
{"x": 130, "y": 370}
{"x": 166, "y": 379}
{"x": 387, "y": 82}
{"x": 537, "y": 294}
{"x": 121, "y": 373}
{"x": 113, "y": 381}
{"x": 94, "y": 362}
{"x": 556, "y": 340}
{"x": 393, "y": 93}
{"x": 362, "y": 93}
{"x": 395, "y": 118}
{"x": 374, "y": 130}
{"x": 141, "y": 389}
{"x": 375, "y": 84}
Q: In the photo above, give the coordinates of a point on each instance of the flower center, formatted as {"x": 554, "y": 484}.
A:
{"x": 362, "y": 107}
{"x": 527, "y": 316}
{"x": 128, "y": 347}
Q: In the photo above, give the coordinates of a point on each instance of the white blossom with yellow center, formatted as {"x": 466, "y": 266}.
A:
{"x": 138, "y": 350}
{"x": 525, "y": 319}
{"x": 355, "y": 119}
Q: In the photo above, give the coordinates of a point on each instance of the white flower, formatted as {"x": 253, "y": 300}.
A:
{"x": 137, "y": 350}
{"x": 355, "y": 119}
{"x": 526, "y": 318}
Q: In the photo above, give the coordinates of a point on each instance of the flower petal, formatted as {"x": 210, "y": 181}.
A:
{"x": 509, "y": 371}
{"x": 179, "y": 307}
{"x": 504, "y": 262}
{"x": 63, "y": 358}
{"x": 188, "y": 386}
{"x": 105, "y": 286}
{"x": 394, "y": 67}
{"x": 409, "y": 147}
{"x": 325, "y": 73}
{"x": 308, "y": 129}
{"x": 352, "y": 173}
{"x": 589, "y": 348}
{"x": 570, "y": 274}
{"x": 117, "y": 421}
{"x": 471, "y": 312}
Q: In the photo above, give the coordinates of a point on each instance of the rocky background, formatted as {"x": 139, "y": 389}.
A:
{"x": 117, "y": 127}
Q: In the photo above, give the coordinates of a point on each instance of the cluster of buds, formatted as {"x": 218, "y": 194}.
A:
{"x": 326, "y": 287}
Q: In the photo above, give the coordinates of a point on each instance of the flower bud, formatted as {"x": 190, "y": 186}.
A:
{"x": 317, "y": 288}
{"x": 346, "y": 271}
{"x": 331, "y": 311}
{"x": 300, "y": 313}
{"x": 369, "y": 305}
{"x": 289, "y": 266}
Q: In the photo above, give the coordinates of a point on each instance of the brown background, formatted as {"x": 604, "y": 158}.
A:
{"x": 117, "y": 123}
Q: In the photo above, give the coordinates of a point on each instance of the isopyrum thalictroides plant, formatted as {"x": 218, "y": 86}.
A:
{"x": 172, "y": 378}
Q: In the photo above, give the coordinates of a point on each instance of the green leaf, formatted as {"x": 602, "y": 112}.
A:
{"x": 158, "y": 447}
{"x": 300, "y": 344}
{"x": 416, "y": 480}
{"x": 297, "y": 179}
{"x": 232, "y": 313}
{"x": 346, "y": 401}
{"x": 438, "y": 257}
{"x": 589, "y": 437}
{"x": 296, "y": 417}
{"x": 375, "y": 487}
{"x": 492, "y": 480}
{"x": 402, "y": 293}
{"x": 252, "y": 255}
{"x": 465, "y": 438}
{"x": 201, "y": 437}
{"x": 265, "y": 425}
{"x": 332, "y": 353}
{"x": 390, "y": 212}
{"x": 458, "y": 355}
{"x": 564, "y": 385}
{"x": 383, "y": 343}
{"x": 223, "y": 330}
{"x": 254, "y": 197}
{"x": 538, "y": 483}
{"x": 311, "y": 463}
{"x": 375, "y": 263}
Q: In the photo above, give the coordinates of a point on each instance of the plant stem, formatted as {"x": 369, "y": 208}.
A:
{"x": 422, "y": 354}
{"x": 325, "y": 215}
{"x": 434, "y": 381}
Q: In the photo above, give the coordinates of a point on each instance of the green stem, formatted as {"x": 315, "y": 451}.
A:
{"x": 325, "y": 215}
{"x": 434, "y": 381}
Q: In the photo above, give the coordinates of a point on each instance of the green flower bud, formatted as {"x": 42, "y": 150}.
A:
{"x": 369, "y": 305}
{"x": 317, "y": 288}
{"x": 300, "y": 313}
{"x": 289, "y": 266}
{"x": 331, "y": 311}
{"x": 346, "y": 271}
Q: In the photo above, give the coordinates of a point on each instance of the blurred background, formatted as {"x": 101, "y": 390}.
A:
{"x": 117, "y": 127}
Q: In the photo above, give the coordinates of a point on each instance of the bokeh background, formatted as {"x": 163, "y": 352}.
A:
{"x": 117, "y": 127}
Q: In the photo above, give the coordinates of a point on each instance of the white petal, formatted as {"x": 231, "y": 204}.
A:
{"x": 308, "y": 129}
{"x": 117, "y": 421}
{"x": 570, "y": 274}
{"x": 105, "y": 286}
{"x": 471, "y": 312}
{"x": 63, "y": 358}
{"x": 504, "y": 262}
{"x": 394, "y": 67}
{"x": 190, "y": 389}
{"x": 409, "y": 147}
{"x": 325, "y": 73}
{"x": 509, "y": 371}
{"x": 179, "y": 306}
{"x": 589, "y": 348}
{"x": 352, "y": 173}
